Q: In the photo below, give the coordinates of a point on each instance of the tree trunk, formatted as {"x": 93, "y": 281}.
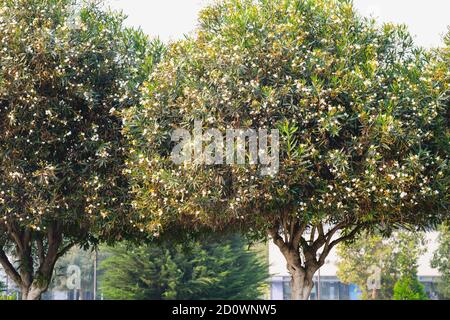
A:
{"x": 301, "y": 284}
{"x": 34, "y": 282}
{"x": 305, "y": 256}
{"x": 33, "y": 292}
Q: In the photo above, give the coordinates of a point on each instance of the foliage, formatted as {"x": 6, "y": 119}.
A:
{"x": 408, "y": 287}
{"x": 361, "y": 110}
{"x": 442, "y": 65}
{"x": 222, "y": 269}
{"x": 4, "y": 297}
{"x": 441, "y": 260}
{"x": 68, "y": 67}
{"x": 394, "y": 256}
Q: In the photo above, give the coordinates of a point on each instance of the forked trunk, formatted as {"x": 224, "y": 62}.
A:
{"x": 32, "y": 293}
{"x": 301, "y": 284}
{"x": 31, "y": 277}
{"x": 38, "y": 286}
{"x": 304, "y": 256}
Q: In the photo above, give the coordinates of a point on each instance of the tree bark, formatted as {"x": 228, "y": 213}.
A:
{"x": 301, "y": 272}
{"x": 34, "y": 292}
{"x": 24, "y": 291}
{"x": 301, "y": 283}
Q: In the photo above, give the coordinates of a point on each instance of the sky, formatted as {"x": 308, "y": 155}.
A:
{"x": 171, "y": 19}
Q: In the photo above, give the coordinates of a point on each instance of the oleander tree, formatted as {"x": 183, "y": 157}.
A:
{"x": 362, "y": 118}
{"x": 67, "y": 69}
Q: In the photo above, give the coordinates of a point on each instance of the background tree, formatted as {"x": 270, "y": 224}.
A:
{"x": 67, "y": 68}
{"x": 221, "y": 269}
{"x": 394, "y": 256}
{"x": 5, "y": 297}
{"x": 441, "y": 260}
{"x": 362, "y": 118}
{"x": 356, "y": 261}
{"x": 408, "y": 287}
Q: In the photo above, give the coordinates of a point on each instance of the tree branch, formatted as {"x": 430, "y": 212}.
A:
{"x": 348, "y": 236}
{"x": 64, "y": 250}
{"x": 54, "y": 239}
{"x": 313, "y": 234}
{"x": 15, "y": 235}
{"x": 40, "y": 249}
{"x": 299, "y": 230}
{"x": 9, "y": 268}
{"x": 320, "y": 230}
{"x": 277, "y": 239}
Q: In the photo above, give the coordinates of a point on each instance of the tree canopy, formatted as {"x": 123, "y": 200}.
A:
{"x": 67, "y": 69}
{"x": 361, "y": 111}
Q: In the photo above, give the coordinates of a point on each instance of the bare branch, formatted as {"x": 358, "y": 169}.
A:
{"x": 277, "y": 239}
{"x": 64, "y": 250}
{"x": 348, "y": 236}
{"x": 9, "y": 268}
{"x": 27, "y": 239}
{"x": 299, "y": 230}
{"x": 54, "y": 239}
{"x": 15, "y": 235}
{"x": 40, "y": 249}
{"x": 312, "y": 235}
{"x": 292, "y": 230}
{"x": 324, "y": 239}
{"x": 320, "y": 230}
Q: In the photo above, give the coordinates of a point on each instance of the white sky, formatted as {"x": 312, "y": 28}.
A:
{"x": 171, "y": 19}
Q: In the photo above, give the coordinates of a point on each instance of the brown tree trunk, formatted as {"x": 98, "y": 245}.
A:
{"x": 301, "y": 283}
{"x": 304, "y": 256}
{"x": 34, "y": 291}
{"x": 24, "y": 291}
{"x": 34, "y": 282}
